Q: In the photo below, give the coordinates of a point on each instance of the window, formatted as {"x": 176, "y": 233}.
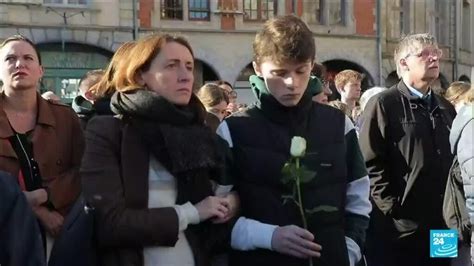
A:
{"x": 440, "y": 23}
{"x": 466, "y": 26}
{"x": 401, "y": 14}
{"x": 404, "y": 17}
{"x": 172, "y": 9}
{"x": 259, "y": 9}
{"x": 312, "y": 12}
{"x": 293, "y": 7}
{"x": 199, "y": 10}
{"x": 335, "y": 12}
{"x": 66, "y": 2}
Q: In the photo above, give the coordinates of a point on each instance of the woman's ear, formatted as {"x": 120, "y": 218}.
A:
{"x": 41, "y": 72}
{"x": 139, "y": 78}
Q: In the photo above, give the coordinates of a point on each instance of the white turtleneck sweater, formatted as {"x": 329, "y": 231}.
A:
{"x": 162, "y": 193}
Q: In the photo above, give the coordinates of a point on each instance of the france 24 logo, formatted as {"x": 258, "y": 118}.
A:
{"x": 443, "y": 243}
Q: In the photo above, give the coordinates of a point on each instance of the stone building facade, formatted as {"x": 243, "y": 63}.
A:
{"x": 75, "y": 36}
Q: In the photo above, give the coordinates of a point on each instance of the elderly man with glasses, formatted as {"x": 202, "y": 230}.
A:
{"x": 405, "y": 143}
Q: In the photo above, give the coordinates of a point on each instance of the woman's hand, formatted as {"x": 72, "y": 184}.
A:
{"x": 233, "y": 204}
{"x": 36, "y": 197}
{"x": 232, "y": 108}
{"x": 51, "y": 220}
{"x": 212, "y": 207}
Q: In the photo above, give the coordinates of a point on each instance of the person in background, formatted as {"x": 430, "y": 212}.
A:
{"x": 321, "y": 95}
{"x": 461, "y": 139}
{"x": 41, "y": 142}
{"x": 458, "y": 93}
{"x": 102, "y": 91}
{"x": 215, "y": 100}
{"x": 368, "y": 94}
{"x": 316, "y": 88}
{"x": 405, "y": 142}
{"x": 271, "y": 230}
{"x": 348, "y": 84}
{"x": 364, "y": 99}
{"x": 233, "y": 106}
{"x": 83, "y": 104}
{"x": 341, "y": 106}
{"x": 148, "y": 170}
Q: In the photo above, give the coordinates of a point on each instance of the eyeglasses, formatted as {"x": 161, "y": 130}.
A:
{"x": 232, "y": 94}
{"x": 217, "y": 112}
{"x": 426, "y": 53}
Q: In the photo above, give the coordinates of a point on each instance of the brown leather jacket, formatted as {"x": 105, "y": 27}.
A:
{"x": 58, "y": 144}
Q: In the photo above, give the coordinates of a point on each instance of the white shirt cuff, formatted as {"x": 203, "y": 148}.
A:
{"x": 187, "y": 214}
{"x": 249, "y": 234}
{"x": 353, "y": 251}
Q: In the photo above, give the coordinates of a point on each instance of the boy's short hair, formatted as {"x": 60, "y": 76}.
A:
{"x": 346, "y": 76}
{"x": 284, "y": 39}
{"x": 411, "y": 44}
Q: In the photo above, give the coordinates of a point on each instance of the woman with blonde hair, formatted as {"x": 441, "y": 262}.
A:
{"x": 150, "y": 186}
{"x": 461, "y": 140}
{"x": 459, "y": 93}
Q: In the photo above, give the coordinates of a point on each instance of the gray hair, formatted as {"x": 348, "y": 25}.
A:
{"x": 364, "y": 99}
{"x": 409, "y": 44}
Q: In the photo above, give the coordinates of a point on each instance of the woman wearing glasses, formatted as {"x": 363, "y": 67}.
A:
{"x": 232, "y": 107}
{"x": 215, "y": 100}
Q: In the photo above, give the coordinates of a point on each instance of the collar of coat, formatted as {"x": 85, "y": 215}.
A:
{"x": 45, "y": 116}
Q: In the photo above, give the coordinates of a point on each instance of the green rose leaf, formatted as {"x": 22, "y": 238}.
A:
{"x": 306, "y": 175}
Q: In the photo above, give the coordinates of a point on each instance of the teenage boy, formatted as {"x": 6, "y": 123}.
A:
{"x": 336, "y": 200}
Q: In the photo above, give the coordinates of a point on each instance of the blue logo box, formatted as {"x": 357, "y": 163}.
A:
{"x": 443, "y": 243}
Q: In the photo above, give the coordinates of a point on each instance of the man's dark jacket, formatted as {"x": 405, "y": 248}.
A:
{"x": 405, "y": 143}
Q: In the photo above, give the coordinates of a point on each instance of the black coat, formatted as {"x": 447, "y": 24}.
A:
{"x": 261, "y": 148}
{"x": 115, "y": 179}
{"x": 75, "y": 246}
{"x": 405, "y": 143}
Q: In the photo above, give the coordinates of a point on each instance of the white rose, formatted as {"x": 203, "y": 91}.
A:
{"x": 298, "y": 146}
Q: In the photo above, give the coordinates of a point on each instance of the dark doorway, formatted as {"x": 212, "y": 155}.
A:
{"x": 465, "y": 78}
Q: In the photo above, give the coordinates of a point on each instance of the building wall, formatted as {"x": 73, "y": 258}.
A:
{"x": 224, "y": 41}
{"x": 420, "y": 17}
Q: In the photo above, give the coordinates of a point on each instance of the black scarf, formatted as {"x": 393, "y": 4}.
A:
{"x": 176, "y": 136}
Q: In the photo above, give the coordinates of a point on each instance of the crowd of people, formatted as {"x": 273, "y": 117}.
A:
{"x": 142, "y": 170}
